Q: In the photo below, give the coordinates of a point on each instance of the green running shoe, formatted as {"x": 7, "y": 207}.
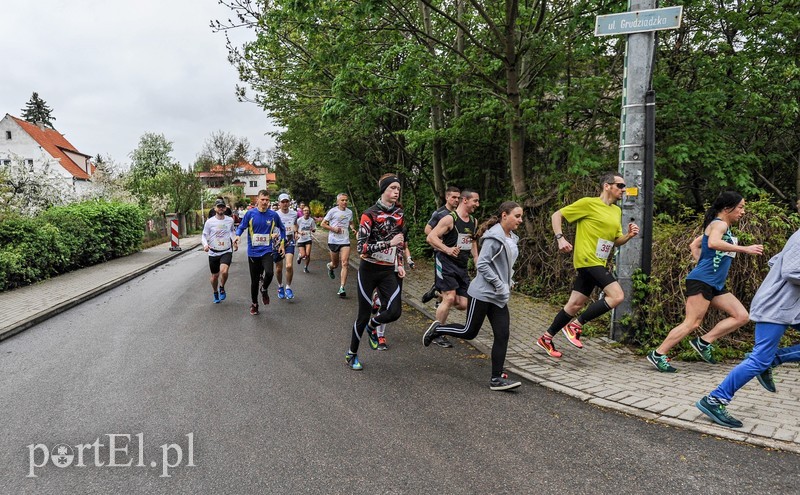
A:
{"x": 718, "y": 412}
{"x": 352, "y": 361}
{"x": 704, "y": 350}
{"x": 661, "y": 363}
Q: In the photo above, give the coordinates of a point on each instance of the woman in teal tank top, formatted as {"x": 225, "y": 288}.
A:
{"x": 705, "y": 285}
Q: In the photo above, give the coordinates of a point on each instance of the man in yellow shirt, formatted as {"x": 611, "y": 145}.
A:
{"x": 599, "y": 231}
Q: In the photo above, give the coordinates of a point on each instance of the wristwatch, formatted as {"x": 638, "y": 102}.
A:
{"x": 559, "y": 236}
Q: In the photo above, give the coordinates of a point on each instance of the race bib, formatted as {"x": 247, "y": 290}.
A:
{"x": 260, "y": 240}
{"x": 221, "y": 244}
{"x": 604, "y": 249}
{"x": 305, "y": 235}
{"x": 464, "y": 242}
{"x": 388, "y": 255}
{"x": 735, "y": 242}
{"x": 342, "y": 236}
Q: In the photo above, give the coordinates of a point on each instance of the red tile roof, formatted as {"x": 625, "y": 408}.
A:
{"x": 55, "y": 144}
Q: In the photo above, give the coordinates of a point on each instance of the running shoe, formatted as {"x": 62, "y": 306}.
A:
{"x": 289, "y": 293}
{"x": 254, "y": 309}
{"x": 430, "y": 334}
{"x": 264, "y": 297}
{"x": 498, "y": 383}
{"x": 704, "y": 350}
{"x": 281, "y": 293}
{"x": 216, "y": 298}
{"x": 330, "y": 271}
{"x": 573, "y": 333}
{"x": 718, "y": 412}
{"x": 382, "y": 344}
{"x": 352, "y": 361}
{"x": 441, "y": 341}
{"x": 373, "y": 337}
{"x": 300, "y": 259}
{"x": 430, "y": 294}
{"x": 548, "y": 347}
{"x": 765, "y": 378}
{"x": 661, "y": 362}
{"x": 342, "y": 293}
{"x": 222, "y": 293}
{"x": 305, "y": 269}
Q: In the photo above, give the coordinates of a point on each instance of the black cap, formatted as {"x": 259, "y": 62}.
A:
{"x": 219, "y": 202}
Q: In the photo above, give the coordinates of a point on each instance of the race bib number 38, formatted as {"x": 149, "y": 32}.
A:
{"x": 604, "y": 248}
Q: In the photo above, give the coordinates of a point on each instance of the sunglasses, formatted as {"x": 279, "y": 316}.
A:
{"x": 620, "y": 185}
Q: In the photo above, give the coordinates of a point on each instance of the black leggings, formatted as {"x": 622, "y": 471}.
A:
{"x": 477, "y": 311}
{"x": 258, "y": 266}
{"x": 371, "y": 276}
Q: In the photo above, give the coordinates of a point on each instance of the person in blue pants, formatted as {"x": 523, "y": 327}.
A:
{"x": 774, "y": 308}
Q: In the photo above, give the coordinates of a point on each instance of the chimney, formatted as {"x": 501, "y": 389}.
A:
{"x": 40, "y": 125}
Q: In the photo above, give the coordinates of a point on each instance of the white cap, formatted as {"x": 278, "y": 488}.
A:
{"x": 283, "y": 196}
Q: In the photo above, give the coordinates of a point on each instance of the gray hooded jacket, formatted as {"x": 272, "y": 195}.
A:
{"x": 778, "y": 298}
{"x": 494, "y": 265}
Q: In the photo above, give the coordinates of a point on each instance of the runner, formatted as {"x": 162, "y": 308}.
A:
{"x": 705, "y": 285}
{"x": 452, "y": 197}
{"x": 305, "y": 226}
{"x": 452, "y": 241}
{"x": 380, "y": 243}
{"x": 599, "y": 231}
{"x": 263, "y": 228}
{"x": 337, "y": 221}
{"x": 490, "y": 291}
{"x": 300, "y": 207}
{"x": 289, "y": 219}
{"x": 217, "y": 239}
{"x": 774, "y": 308}
{"x": 376, "y": 302}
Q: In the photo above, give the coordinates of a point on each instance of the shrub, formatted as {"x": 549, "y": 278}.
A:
{"x": 317, "y": 208}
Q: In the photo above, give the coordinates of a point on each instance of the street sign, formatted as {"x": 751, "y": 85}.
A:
{"x": 638, "y": 21}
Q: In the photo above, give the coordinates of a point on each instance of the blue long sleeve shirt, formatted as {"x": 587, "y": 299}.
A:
{"x": 261, "y": 229}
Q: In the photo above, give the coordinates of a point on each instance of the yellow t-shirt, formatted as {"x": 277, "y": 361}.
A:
{"x": 599, "y": 225}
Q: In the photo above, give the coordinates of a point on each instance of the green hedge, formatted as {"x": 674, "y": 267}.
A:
{"x": 65, "y": 238}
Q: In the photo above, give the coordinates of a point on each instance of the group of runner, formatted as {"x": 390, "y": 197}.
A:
{"x": 454, "y": 234}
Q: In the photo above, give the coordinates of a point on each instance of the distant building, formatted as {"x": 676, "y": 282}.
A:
{"x": 40, "y": 146}
{"x": 245, "y": 175}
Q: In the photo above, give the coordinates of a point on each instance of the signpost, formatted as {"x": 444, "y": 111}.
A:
{"x": 636, "y": 147}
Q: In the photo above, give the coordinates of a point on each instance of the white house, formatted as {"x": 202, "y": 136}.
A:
{"x": 250, "y": 177}
{"x": 40, "y": 146}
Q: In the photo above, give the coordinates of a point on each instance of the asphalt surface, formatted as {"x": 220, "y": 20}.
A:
{"x": 271, "y": 407}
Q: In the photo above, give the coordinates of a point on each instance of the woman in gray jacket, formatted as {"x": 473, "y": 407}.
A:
{"x": 490, "y": 290}
{"x": 775, "y": 306}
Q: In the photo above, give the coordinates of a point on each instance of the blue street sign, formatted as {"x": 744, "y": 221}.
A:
{"x": 638, "y": 21}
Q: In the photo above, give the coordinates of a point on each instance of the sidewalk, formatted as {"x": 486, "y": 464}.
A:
{"x": 603, "y": 373}
{"x": 32, "y": 304}
{"x": 607, "y": 374}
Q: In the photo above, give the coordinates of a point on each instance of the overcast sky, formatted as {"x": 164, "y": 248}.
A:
{"x": 112, "y": 70}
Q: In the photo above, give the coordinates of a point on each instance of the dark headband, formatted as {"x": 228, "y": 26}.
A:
{"x": 384, "y": 184}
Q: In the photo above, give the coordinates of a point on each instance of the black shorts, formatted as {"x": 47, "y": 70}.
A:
{"x": 215, "y": 261}
{"x": 590, "y": 277}
{"x": 450, "y": 276}
{"x": 336, "y": 247}
{"x": 694, "y": 287}
{"x": 303, "y": 244}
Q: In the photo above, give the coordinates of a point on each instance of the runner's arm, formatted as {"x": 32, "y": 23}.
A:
{"x": 434, "y": 238}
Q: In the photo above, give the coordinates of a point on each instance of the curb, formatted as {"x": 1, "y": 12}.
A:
{"x": 48, "y": 313}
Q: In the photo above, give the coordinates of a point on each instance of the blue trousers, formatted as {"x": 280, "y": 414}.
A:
{"x": 765, "y": 354}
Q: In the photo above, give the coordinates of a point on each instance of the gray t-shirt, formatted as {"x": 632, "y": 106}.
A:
{"x": 438, "y": 215}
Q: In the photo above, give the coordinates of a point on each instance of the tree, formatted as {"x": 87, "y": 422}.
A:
{"x": 36, "y": 111}
{"x": 180, "y": 189}
{"x": 27, "y": 189}
{"x": 151, "y": 157}
{"x": 225, "y": 151}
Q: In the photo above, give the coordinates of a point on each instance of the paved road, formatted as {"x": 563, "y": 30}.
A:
{"x": 272, "y": 409}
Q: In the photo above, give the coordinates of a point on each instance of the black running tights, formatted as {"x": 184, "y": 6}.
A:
{"x": 499, "y": 318}
{"x": 260, "y": 265}
{"x": 370, "y": 277}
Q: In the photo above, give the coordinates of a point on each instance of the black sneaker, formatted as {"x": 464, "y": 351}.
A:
{"x": 430, "y": 294}
{"x": 718, "y": 413}
{"x": 765, "y": 378}
{"x": 498, "y": 383}
{"x": 441, "y": 341}
{"x": 430, "y": 334}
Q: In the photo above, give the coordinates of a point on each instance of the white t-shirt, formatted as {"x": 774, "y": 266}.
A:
{"x": 305, "y": 227}
{"x": 339, "y": 218}
{"x": 218, "y": 235}
{"x": 289, "y": 220}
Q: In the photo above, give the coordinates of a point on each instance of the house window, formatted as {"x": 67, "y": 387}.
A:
{"x": 8, "y": 134}
{"x": 29, "y": 162}
{"x": 7, "y": 162}
{"x": 253, "y": 183}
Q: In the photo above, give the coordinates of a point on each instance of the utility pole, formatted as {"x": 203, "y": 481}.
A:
{"x": 637, "y": 132}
